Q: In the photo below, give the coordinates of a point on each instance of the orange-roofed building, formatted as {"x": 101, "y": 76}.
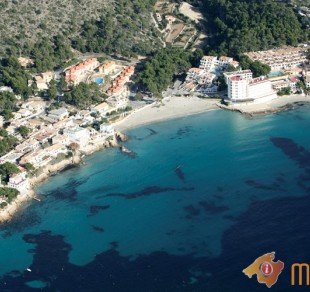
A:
{"x": 76, "y": 74}
{"x": 118, "y": 83}
{"x": 107, "y": 67}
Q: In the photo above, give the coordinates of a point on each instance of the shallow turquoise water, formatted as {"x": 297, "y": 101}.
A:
{"x": 191, "y": 178}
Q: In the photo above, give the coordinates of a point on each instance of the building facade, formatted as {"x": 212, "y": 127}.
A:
{"x": 19, "y": 181}
{"x": 77, "y": 73}
{"x": 282, "y": 58}
{"x": 241, "y": 88}
{"x": 78, "y": 135}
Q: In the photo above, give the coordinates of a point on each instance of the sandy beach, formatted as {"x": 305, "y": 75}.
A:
{"x": 168, "y": 108}
{"x": 278, "y": 104}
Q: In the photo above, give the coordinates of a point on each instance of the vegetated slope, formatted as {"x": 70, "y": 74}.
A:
{"x": 305, "y": 3}
{"x": 236, "y": 26}
{"x": 25, "y": 22}
{"x": 125, "y": 29}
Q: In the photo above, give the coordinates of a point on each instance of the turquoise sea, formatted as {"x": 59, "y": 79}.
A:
{"x": 204, "y": 196}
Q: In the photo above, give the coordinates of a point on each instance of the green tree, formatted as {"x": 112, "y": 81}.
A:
{"x": 9, "y": 193}
{"x": 62, "y": 85}
{"x": 24, "y": 131}
{"x": 3, "y": 133}
{"x": 7, "y": 144}
{"x": 13, "y": 75}
{"x": 238, "y": 26}
{"x": 84, "y": 95}
{"x": 7, "y": 169}
{"x": 7, "y": 104}
{"x": 52, "y": 90}
{"x": 258, "y": 68}
{"x": 284, "y": 91}
{"x": 159, "y": 71}
{"x": 29, "y": 167}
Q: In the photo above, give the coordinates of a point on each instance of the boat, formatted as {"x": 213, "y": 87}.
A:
{"x": 29, "y": 270}
{"x": 37, "y": 199}
{"x": 127, "y": 151}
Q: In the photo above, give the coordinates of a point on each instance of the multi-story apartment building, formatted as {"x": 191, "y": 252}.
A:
{"x": 242, "y": 88}
{"x": 237, "y": 88}
{"x": 246, "y": 74}
{"x": 78, "y": 73}
{"x": 282, "y": 58}
{"x": 118, "y": 84}
{"x": 207, "y": 62}
{"x": 210, "y": 63}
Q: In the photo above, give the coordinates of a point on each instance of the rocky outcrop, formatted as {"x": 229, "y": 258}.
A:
{"x": 121, "y": 137}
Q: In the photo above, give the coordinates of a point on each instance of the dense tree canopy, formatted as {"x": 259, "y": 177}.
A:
{"x": 258, "y": 68}
{"x": 238, "y": 26}
{"x": 7, "y": 169}
{"x": 124, "y": 30}
{"x": 7, "y": 104}
{"x": 50, "y": 54}
{"x": 9, "y": 193}
{"x": 7, "y": 144}
{"x": 159, "y": 70}
{"x": 13, "y": 75}
{"x": 84, "y": 95}
{"x": 52, "y": 90}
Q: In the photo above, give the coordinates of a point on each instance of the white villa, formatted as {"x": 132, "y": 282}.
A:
{"x": 19, "y": 181}
{"x": 78, "y": 135}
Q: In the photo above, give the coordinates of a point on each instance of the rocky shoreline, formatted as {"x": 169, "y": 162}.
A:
{"x": 276, "y": 106}
{"x": 8, "y": 212}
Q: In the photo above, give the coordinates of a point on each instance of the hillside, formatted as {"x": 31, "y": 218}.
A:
{"x": 237, "y": 26}
{"x": 26, "y": 22}
{"x": 301, "y": 3}
{"x": 26, "y": 19}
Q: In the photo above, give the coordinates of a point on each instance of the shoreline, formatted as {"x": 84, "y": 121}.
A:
{"x": 168, "y": 109}
{"x": 9, "y": 211}
{"x": 279, "y": 104}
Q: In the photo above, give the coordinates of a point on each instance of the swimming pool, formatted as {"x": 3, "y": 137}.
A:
{"x": 99, "y": 80}
{"x": 275, "y": 74}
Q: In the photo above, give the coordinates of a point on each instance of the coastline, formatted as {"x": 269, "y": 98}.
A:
{"x": 167, "y": 109}
{"x": 277, "y": 105}
{"x": 8, "y": 212}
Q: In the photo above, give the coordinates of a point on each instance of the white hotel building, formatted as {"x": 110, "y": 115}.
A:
{"x": 242, "y": 87}
{"x": 211, "y": 63}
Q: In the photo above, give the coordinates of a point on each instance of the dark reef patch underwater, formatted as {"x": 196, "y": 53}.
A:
{"x": 160, "y": 271}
